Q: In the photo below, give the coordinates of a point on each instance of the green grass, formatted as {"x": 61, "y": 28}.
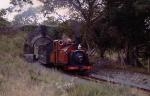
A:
{"x": 19, "y": 78}
{"x": 95, "y": 90}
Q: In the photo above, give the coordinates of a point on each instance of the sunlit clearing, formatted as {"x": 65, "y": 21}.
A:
{"x": 4, "y": 4}
{"x": 62, "y": 13}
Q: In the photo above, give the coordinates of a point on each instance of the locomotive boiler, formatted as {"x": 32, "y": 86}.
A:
{"x": 39, "y": 46}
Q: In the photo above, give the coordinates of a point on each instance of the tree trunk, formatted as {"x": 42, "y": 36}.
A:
{"x": 131, "y": 57}
{"x": 102, "y": 52}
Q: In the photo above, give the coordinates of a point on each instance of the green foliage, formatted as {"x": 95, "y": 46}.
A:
{"x": 107, "y": 24}
{"x": 51, "y": 21}
{"x": 66, "y": 28}
{"x": 2, "y": 12}
{"x": 128, "y": 16}
{"x": 3, "y": 22}
{"x": 124, "y": 24}
{"x": 93, "y": 89}
{"x": 20, "y": 2}
{"x": 54, "y": 31}
{"x": 28, "y": 28}
{"x": 19, "y": 78}
{"x": 9, "y": 44}
{"x": 128, "y": 19}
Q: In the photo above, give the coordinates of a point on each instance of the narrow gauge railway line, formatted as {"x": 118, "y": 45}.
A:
{"x": 96, "y": 78}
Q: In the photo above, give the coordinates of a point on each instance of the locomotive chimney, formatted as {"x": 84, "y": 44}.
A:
{"x": 76, "y": 26}
{"x": 42, "y": 29}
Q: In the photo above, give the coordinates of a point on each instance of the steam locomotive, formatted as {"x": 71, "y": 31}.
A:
{"x": 39, "y": 46}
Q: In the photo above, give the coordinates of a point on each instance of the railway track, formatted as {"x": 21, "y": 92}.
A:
{"x": 96, "y": 78}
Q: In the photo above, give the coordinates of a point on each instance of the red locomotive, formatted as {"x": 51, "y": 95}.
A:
{"x": 69, "y": 55}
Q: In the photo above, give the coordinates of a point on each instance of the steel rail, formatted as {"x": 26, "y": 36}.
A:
{"x": 98, "y": 79}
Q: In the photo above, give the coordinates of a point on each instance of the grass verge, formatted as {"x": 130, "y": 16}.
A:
{"x": 19, "y": 78}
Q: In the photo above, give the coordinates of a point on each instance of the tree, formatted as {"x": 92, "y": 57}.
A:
{"x": 86, "y": 10}
{"x": 51, "y": 21}
{"x": 130, "y": 17}
{"x": 3, "y": 22}
{"x": 20, "y": 2}
{"x": 2, "y": 12}
{"x": 89, "y": 10}
{"x": 30, "y": 16}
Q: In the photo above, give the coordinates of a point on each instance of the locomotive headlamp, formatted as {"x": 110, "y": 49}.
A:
{"x": 79, "y": 47}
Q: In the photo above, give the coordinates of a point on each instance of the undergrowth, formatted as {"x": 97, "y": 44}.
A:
{"x": 19, "y": 78}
